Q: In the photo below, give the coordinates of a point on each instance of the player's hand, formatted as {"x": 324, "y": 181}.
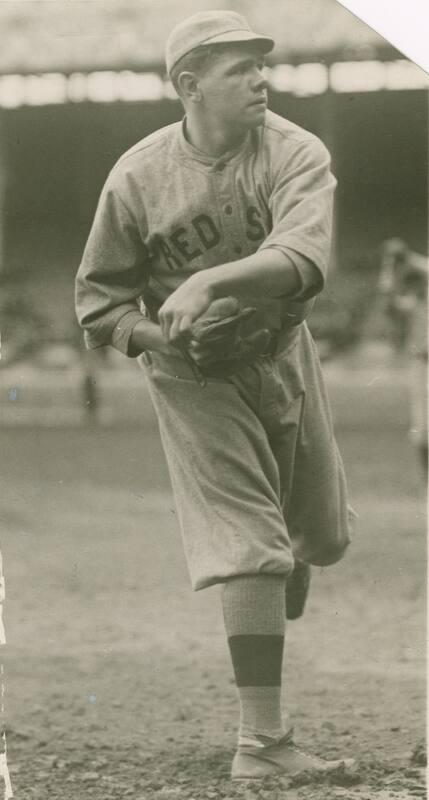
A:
{"x": 217, "y": 345}
{"x": 185, "y": 306}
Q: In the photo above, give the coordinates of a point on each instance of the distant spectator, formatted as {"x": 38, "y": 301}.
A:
{"x": 23, "y": 327}
{"x": 404, "y": 285}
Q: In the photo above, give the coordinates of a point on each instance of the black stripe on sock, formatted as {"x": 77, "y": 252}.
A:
{"x": 257, "y": 659}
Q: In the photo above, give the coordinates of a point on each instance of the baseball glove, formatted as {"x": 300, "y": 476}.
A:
{"x": 215, "y": 346}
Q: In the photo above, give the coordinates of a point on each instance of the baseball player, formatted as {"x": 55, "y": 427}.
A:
{"x": 210, "y": 241}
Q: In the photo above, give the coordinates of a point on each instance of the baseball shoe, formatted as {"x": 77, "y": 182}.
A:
{"x": 297, "y": 588}
{"x": 282, "y": 758}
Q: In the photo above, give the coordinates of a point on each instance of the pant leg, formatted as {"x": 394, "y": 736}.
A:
{"x": 312, "y": 478}
{"x": 223, "y": 472}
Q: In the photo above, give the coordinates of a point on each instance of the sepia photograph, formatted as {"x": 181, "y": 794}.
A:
{"x": 214, "y": 402}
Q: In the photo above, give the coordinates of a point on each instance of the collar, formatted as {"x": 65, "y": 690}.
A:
{"x": 213, "y": 163}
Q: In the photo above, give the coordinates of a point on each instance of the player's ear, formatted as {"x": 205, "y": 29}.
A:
{"x": 189, "y": 87}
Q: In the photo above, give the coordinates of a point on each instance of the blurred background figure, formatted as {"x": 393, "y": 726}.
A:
{"x": 403, "y": 286}
{"x": 23, "y": 327}
{"x": 29, "y": 338}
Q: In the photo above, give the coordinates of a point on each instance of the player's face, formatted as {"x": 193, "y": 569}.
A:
{"x": 234, "y": 88}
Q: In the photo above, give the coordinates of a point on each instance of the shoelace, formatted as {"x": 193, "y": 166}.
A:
{"x": 259, "y": 743}
{"x": 301, "y": 752}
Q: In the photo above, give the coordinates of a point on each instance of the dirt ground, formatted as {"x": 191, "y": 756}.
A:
{"x": 118, "y": 681}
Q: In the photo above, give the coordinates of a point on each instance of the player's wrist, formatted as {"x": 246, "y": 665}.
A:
{"x": 204, "y": 282}
{"x": 216, "y": 283}
{"x": 147, "y": 335}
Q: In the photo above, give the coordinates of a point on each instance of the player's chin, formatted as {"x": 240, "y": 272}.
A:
{"x": 255, "y": 113}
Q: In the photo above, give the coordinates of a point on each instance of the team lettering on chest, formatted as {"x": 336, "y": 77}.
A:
{"x": 201, "y": 234}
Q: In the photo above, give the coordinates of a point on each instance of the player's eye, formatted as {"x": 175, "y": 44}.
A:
{"x": 240, "y": 68}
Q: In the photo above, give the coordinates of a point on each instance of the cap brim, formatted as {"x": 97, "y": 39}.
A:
{"x": 265, "y": 42}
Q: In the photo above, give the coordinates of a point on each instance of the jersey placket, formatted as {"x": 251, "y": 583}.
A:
{"x": 230, "y": 218}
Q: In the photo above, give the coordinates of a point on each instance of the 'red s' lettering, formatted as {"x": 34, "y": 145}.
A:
{"x": 172, "y": 260}
{"x": 256, "y": 231}
{"x": 181, "y": 243}
{"x": 206, "y": 230}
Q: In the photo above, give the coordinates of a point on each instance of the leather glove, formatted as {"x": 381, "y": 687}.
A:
{"x": 216, "y": 347}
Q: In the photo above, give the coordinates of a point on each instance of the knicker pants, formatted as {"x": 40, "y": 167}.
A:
{"x": 254, "y": 465}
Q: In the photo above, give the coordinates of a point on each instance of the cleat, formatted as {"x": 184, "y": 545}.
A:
{"x": 297, "y": 587}
{"x": 252, "y": 762}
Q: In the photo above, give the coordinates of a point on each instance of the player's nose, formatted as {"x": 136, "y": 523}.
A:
{"x": 259, "y": 80}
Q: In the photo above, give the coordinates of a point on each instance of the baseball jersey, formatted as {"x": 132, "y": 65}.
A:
{"x": 168, "y": 210}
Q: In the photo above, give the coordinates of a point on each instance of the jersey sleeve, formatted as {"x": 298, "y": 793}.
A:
{"x": 112, "y": 274}
{"x": 301, "y": 193}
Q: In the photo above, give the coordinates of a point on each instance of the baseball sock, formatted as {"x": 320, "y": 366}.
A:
{"x": 255, "y": 618}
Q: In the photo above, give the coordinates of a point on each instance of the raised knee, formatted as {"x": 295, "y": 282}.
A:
{"x": 329, "y": 555}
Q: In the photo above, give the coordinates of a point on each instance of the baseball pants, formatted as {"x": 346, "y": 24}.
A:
{"x": 254, "y": 465}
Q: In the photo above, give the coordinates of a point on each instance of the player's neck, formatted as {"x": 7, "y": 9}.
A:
{"x": 211, "y": 139}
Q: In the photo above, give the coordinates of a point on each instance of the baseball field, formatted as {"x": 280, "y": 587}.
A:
{"x": 117, "y": 677}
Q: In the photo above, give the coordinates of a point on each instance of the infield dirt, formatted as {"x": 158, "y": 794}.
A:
{"x": 118, "y": 681}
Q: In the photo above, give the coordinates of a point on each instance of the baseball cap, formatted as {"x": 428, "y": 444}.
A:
{"x": 211, "y": 27}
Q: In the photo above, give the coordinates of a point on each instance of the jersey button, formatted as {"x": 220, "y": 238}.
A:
{"x": 238, "y": 249}
{"x": 228, "y": 210}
